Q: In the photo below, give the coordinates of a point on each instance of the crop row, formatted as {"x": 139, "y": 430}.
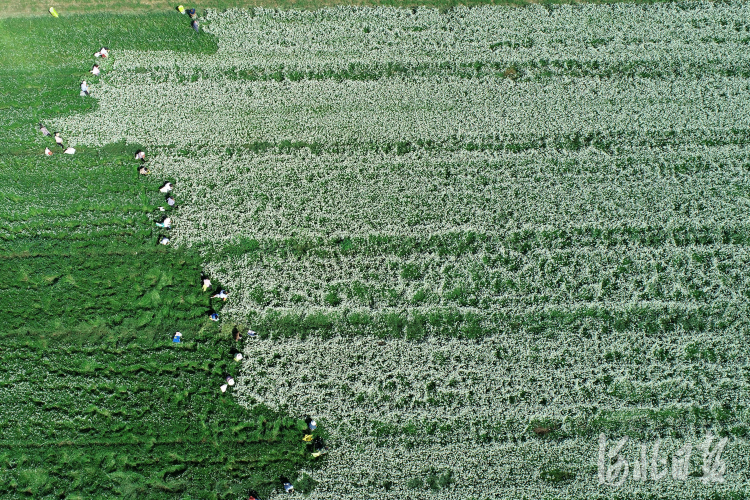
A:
{"x": 490, "y": 281}
{"x": 333, "y": 38}
{"x": 331, "y": 112}
{"x": 359, "y": 194}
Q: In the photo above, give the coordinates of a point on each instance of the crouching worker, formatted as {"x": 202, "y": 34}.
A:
{"x": 166, "y": 224}
{"x": 287, "y": 484}
{"x": 319, "y": 447}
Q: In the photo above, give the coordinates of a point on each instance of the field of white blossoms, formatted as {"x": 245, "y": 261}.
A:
{"x": 498, "y": 252}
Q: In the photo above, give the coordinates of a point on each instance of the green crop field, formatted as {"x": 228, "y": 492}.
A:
{"x": 97, "y": 402}
{"x": 497, "y": 252}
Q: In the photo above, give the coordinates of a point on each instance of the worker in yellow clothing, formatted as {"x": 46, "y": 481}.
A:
{"x": 180, "y": 9}
{"x": 53, "y": 12}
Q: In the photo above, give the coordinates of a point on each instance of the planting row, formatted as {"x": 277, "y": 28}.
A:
{"x": 333, "y": 39}
{"x": 270, "y": 195}
{"x": 426, "y": 108}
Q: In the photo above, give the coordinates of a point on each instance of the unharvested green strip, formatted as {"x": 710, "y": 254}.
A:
{"x": 588, "y": 322}
{"x": 610, "y": 143}
{"x": 459, "y": 243}
{"x": 638, "y": 423}
{"x": 541, "y": 70}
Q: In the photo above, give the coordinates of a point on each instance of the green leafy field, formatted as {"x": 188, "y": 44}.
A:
{"x": 97, "y": 402}
{"x": 482, "y": 246}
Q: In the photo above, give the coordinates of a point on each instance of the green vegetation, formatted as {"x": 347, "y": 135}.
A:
{"x": 97, "y": 401}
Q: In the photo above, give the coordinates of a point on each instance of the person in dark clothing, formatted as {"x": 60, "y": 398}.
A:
{"x": 195, "y": 26}
{"x": 191, "y": 13}
{"x": 318, "y": 447}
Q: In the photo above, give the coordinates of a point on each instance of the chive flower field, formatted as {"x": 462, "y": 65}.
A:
{"x": 496, "y": 252}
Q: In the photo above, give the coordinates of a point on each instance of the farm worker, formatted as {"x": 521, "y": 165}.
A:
{"x": 194, "y": 24}
{"x": 180, "y": 9}
{"x": 170, "y": 201}
{"x": 95, "y": 70}
{"x": 53, "y": 12}
{"x": 58, "y": 139}
{"x": 238, "y": 357}
{"x": 70, "y": 151}
{"x": 230, "y": 380}
{"x": 140, "y": 155}
{"x": 320, "y": 447}
{"x": 287, "y": 485}
{"x": 164, "y": 241}
{"x": 166, "y": 188}
{"x": 44, "y": 130}
{"x": 214, "y": 317}
{"x": 103, "y": 52}
{"x": 221, "y": 295}
{"x": 47, "y": 152}
{"x": 251, "y": 333}
{"x": 206, "y": 284}
{"x": 84, "y": 88}
{"x": 177, "y": 337}
{"x": 143, "y": 171}
{"x": 307, "y": 438}
{"x": 223, "y": 388}
{"x": 166, "y": 224}
{"x": 310, "y": 423}
{"x": 191, "y": 13}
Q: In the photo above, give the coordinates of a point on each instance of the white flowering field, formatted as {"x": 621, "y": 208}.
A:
{"x": 499, "y": 253}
